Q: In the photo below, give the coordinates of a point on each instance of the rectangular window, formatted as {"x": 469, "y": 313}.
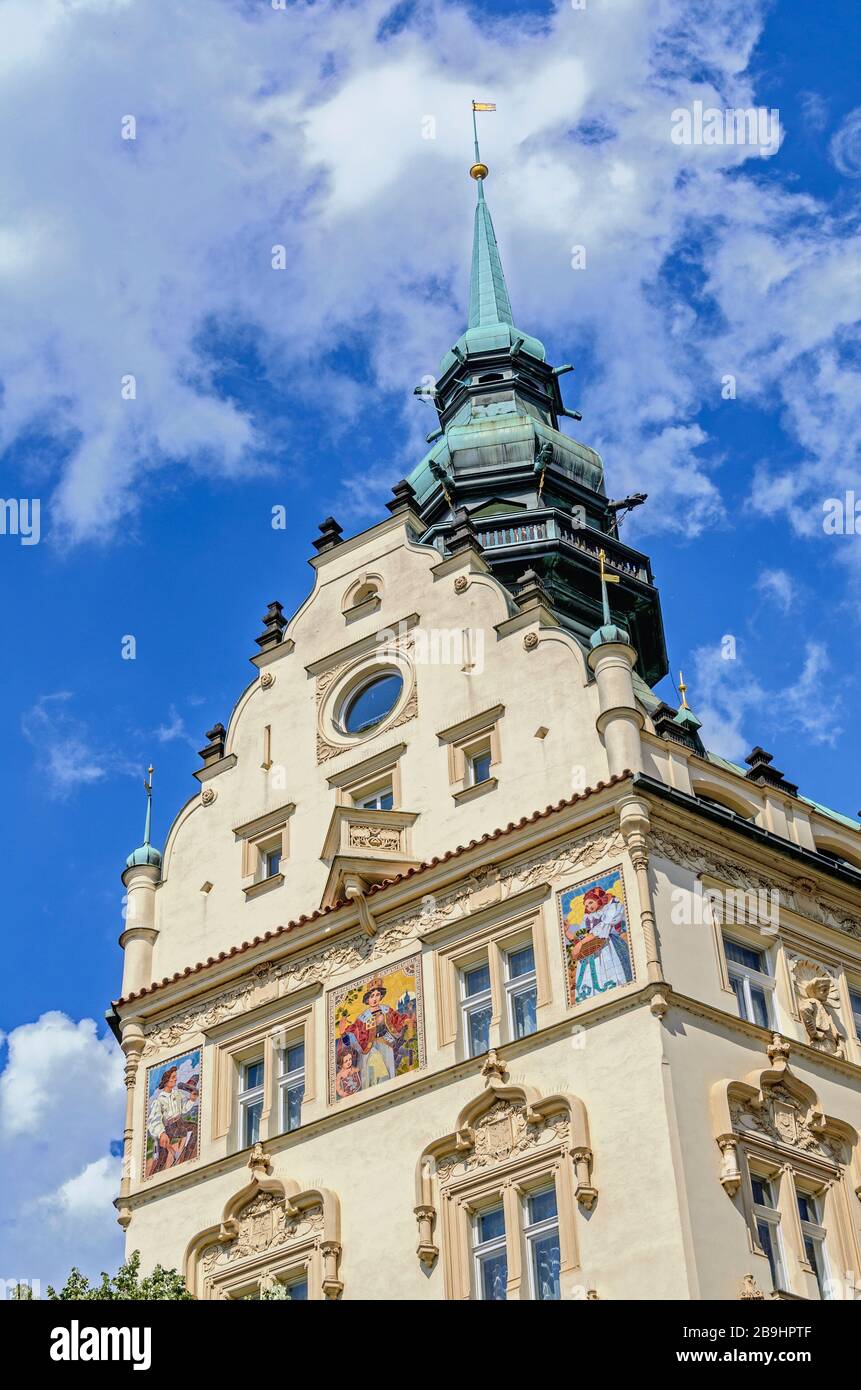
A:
{"x": 521, "y": 988}
{"x": 477, "y": 1008}
{"x": 383, "y": 800}
{"x": 542, "y": 1244}
{"x": 855, "y": 1001}
{"x": 767, "y": 1220}
{"x": 491, "y": 1260}
{"x": 813, "y": 1235}
{"x": 273, "y": 862}
{"x": 750, "y": 982}
{"x": 291, "y": 1085}
{"x": 250, "y": 1101}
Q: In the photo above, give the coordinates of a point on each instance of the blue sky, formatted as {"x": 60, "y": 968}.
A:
{"x": 255, "y": 387}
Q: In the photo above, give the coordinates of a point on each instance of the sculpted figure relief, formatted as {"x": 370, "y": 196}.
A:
{"x": 817, "y": 995}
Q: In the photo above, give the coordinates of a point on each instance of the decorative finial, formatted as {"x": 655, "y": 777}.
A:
{"x": 683, "y": 691}
{"x": 493, "y": 1068}
{"x": 605, "y": 580}
{"x": 479, "y": 170}
{"x": 148, "y": 822}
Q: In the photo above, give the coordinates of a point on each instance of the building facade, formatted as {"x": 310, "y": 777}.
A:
{"x": 468, "y": 972}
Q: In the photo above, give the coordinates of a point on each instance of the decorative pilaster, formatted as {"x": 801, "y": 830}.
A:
{"x": 426, "y": 1249}
{"x": 635, "y": 825}
{"x": 133, "y": 1046}
{"x": 730, "y": 1173}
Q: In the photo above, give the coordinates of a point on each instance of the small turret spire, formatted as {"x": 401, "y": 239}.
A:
{"x": 146, "y": 853}
{"x": 683, "y": 691}
{"x": 605, "y": 580}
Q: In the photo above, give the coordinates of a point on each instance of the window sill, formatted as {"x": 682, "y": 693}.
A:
{"x": 255, "y": 890}
{"x": 475, "y": 789}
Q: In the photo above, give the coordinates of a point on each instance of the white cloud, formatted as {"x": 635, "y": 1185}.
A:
{"x": 733, "y": 705}
{"x": 67, "y": 755}
{"x": 845, "y": 147}
{"x": 61, "y": 1104}
{"x": 779, "y": 586}
{"x": 88, "y": 1196}
{"x": 303, "y": 128}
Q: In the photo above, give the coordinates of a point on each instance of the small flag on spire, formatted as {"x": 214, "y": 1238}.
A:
{"x": 484, "y": 106}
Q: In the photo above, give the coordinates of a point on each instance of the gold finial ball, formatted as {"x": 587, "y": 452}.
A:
{"x": 479, "y": 171}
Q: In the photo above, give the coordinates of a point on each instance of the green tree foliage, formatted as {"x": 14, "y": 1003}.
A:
{"x": 160, "y": 1286}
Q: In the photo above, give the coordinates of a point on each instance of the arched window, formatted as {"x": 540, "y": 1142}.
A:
{"x": 506, "y": 1184}
{"x": 271, "y": 1233}
{"x": 791, "y": 1171}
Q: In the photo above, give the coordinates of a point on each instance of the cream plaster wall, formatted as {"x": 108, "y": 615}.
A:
{"x": 629, "y": 1242}
{"x": 543, "y": 687}
{"x": 701, "y": 1052}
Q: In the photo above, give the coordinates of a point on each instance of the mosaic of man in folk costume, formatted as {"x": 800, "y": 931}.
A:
{"x": 378, "y": 1032}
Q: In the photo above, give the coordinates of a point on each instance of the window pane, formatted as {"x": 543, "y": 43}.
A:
{"x": 252, "y": 1115}
{"x": 763, "y": 1229}
{"x": 372, "y": 703}
{"x": 477, "y": 980}
{"x": 494, "y": 1277}
{"x": 761, "y": 1192}
{"x": 491, "y": 1225}
{"x": 252, "y": 1075}
{"x": 481, "y": 767}
{"x": 806, "y": 1208}
{"x": 545, "y": 1265}
{"x": 855, "y": 1000}
{"x": 759, "y": 1005}
{"x": 298, "y": 1289}
{"x": 743, "y": 955}
{"x": 521, "y": 962}
{"x": 273, "y": 863}
{"x": 387, "y": 801}
{"x": 542, "y": 1206}
{"x": 479, "y": 1031}
{"x": 523, "y": 1005}
{"x": 738, "y": 990}
{"x": 293, "y": 1107}
{"x": 294, "y": 1057}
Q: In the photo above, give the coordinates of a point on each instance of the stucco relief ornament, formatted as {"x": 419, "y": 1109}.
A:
{"x": 797, "y": 894}
{"x": 818, "y": 999}
{"x": 267, "y": 680}
{"x": 750, "y": 1289}
{"x": 207, "y": 796}
{"x": 530, "y": 641}
{"x": 461, "y": 584}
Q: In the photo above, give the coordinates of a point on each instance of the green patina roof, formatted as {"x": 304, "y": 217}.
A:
{"x": 488, "y": 292}
{"x": 491, "y": 324}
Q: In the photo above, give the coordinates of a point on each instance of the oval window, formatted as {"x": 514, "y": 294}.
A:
{"x": 372, "y": 702}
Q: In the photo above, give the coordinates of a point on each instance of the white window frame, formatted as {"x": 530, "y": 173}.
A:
{"x": 473, "y": 1003}
{"x": 519, "y": 984}
{"x": 249, "y": 1096}
{"x": 482, "y": 1250}
{"x": 275, "y": 848}
{"x": 537, "y": 1230}
{"x": 770, "y": 1216}
{"x": 814, "y": 1232}
{"x": 855, "y": 1010}
{"x": 748, "y": 976}
{"x": 290, "y": 1080}
{"x": 371, "y": 801}
{"x": 472, "y": 758}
